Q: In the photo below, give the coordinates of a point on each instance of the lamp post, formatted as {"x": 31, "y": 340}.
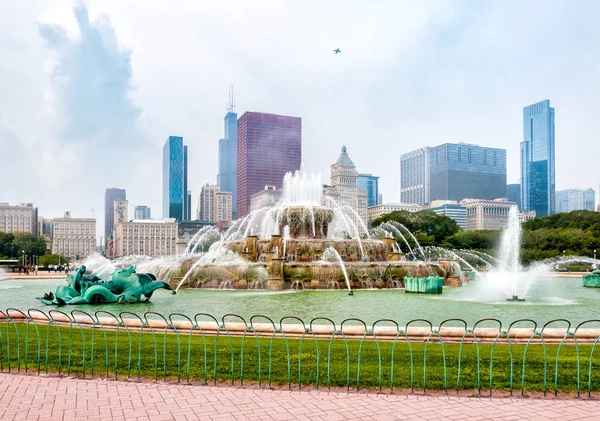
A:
{"x": 23, "y": 258}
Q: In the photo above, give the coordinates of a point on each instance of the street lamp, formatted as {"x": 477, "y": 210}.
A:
{"x": 23, "y": 257}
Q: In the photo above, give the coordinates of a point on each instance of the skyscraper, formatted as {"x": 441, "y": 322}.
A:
{"x": 268, "y": 146}
{"x": 575, "y": 199}
{"x": 227, "y": 177}
{"x": 344, "y": 187}
{"x": 174, "y": 179}
{"x": 187, "y": 196}
{"x": 414, "y": 176}
{"x": 143, "y": 212}
{"x": 513, "y": 194}
{"x": 370, "y": 183}
{"x": 537, "y": 159}
{"x": 110, "y": 195}
{"x": 462, "y": 171}
{"x": 214, "y": 205}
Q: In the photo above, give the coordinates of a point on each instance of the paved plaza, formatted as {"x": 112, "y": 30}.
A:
{"x": 50, "y": 398}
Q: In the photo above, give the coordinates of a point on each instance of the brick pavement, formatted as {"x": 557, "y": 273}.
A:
{"x": 51, "y": 398}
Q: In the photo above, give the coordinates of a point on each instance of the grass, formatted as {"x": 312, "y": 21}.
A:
{"x": 130, "y": 354}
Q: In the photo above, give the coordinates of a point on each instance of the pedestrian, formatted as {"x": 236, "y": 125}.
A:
{"x": 36, "y": 269}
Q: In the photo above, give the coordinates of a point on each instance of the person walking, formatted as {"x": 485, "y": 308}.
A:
{"x": 35, "y": 269}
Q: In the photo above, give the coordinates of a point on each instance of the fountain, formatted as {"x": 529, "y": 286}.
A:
{"x": 509, "y": 278}
{"x": 293, "y": 241}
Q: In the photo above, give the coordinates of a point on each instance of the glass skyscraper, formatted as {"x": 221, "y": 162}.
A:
{"x": 537, "y": 159}
{"x": 575, "y": 199}
{"x": 460, "y": 171}
{"x": 174, "y": 178}
{"x": 370, "y": 183}
{"x": 187, "y": 201}
{"x": 268, "y": 146}
{"x": 513, "y": 194}
{"x": 110, "y": 195}
{"x": 227, "y": 177}
{"x": 143, "y": 212}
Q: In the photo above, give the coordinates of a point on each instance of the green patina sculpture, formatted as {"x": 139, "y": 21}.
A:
{"x": 592, "y": 280}
{"x": 125, "y": 286}
{"x": 428, "y": 285}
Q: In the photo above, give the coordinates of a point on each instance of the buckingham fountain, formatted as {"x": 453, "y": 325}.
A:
{"x": 307, "y": 241}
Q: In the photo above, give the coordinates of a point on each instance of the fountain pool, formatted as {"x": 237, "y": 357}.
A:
{"x": 548, "y": 298}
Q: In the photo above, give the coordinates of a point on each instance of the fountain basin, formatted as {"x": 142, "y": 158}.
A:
{"x": 592, "y": 280}
{"x": 428, "y": 285}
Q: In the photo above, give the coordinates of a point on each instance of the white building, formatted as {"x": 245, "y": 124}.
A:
{"x": 148, "y": 237}
{"x": 74, "y": 238}
{"x": 19, "y": 218}
{"x": 526, "y": 215}
{"x": 451, "y": 209}
{"x": 374, "y": 212}
{"x": 415, "y": 176}
{"x": 266, "y": 198}
{"x": 344, "y": 187}
{"x": 214, "y": 205}
{"x": 487, "y": 214}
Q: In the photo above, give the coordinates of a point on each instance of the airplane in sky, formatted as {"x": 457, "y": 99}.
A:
{"x": 337, "y": 51}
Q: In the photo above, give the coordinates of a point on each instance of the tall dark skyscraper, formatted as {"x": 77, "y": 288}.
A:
{"x": 268, "y": 146}
{"x": 110, "y": 195}
{"x": 227, "y": 177}
{"x": 537, "y": 159}
{"x": 462, "y": 171}
{"x": 174, "y": 178}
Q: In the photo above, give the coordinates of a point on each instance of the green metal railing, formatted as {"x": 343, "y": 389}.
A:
{"x": 203, "y": 349}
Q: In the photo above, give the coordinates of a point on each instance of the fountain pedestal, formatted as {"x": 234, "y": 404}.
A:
{"x": 250, "y": 250}
{"x": 276, "y": 281}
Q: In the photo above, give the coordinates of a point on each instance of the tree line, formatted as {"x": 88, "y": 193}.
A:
{"x": 570, "y": 233}
{"x": 15, "y": 245}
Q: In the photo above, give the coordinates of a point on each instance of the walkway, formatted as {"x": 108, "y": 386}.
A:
{"x": 50, "y": 398}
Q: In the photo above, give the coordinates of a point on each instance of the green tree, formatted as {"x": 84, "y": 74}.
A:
{"x": 31, "y": 244}
{"x": 52, "y": 259}
{"x": 7, "y": 245}
{"x": 425, "y": 223}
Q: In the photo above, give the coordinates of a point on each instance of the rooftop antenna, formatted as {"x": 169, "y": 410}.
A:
{"x": 231, "y": 104}
{"x": 92, "y": 213}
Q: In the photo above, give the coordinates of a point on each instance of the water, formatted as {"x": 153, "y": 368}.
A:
{"x": 547, "y": 299}
{"x": 509, "y": 279}
{"x": 332, "y": 255}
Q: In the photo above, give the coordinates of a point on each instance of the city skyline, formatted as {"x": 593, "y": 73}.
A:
{"x": 435, "y": 80}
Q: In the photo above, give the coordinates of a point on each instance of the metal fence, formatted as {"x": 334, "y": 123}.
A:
{"x": 203, "y": 349}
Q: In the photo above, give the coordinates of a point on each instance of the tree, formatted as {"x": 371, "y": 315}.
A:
{"x": 425, "y": 222}
{"x": 52, "y": 259}
{"x": 7, "y": 246}
{"x": 31, "y": 244}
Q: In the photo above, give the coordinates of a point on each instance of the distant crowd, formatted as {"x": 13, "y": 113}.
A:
{"x": 27, "y": 270}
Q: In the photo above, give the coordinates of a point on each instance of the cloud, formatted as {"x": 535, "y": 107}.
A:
{"x": 91, "y": 82}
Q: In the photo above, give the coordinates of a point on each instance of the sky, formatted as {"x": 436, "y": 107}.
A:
{"x": 90, "y": 90}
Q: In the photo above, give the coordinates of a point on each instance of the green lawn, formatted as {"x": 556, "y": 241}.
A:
{"x": 160, "y": 357}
